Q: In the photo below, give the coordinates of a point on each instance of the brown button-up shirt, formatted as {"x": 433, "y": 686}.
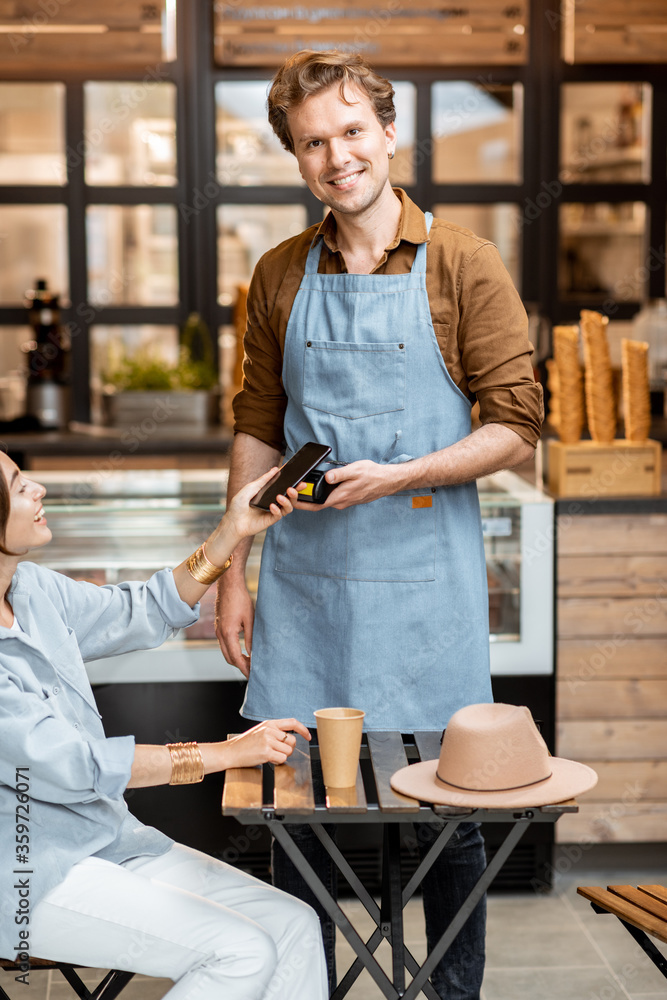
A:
{"x": 479, "y": 322}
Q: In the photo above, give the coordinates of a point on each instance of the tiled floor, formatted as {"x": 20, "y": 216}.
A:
{"x": 539, "y": 947}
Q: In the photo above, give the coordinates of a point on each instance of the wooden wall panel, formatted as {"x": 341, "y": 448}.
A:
{"x": 636, "y": 780}
{"x": 620, "y": 699}
{"x": 611, "y": 576}
{"x": 617, "y": 534}
{"x": 613, "y": 823}
{"x": 584, "y": 659}
{"x": 611, "y": 671}
{"x": 612, "y": 739}
{"x": 614, "y": 616}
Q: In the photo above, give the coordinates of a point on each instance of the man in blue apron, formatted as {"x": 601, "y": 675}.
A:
{"x": 373, "y": 333}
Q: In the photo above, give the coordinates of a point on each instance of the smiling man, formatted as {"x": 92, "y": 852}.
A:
{"x": 374, "y": 333}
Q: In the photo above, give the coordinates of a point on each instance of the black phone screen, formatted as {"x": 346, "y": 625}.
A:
{"x": 291, "y": 473}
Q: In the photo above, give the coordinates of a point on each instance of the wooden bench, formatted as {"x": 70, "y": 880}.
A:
{"x": 642, "y": 910}
{"x": 107, "y": 989}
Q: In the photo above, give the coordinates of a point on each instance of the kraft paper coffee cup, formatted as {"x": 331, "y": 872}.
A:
{"x": 339, "y": 738}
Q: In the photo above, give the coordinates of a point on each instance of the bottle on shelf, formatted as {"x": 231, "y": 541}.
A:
{"x": 48, "y": 358}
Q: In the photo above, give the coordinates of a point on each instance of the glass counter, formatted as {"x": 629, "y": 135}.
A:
{"x": 124, "y": 525}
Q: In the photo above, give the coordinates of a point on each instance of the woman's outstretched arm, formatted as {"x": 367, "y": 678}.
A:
{"x": 239, "y": 522}
{"x": 270, "y": 741}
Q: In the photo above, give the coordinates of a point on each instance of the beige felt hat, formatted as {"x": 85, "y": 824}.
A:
{"x": 494, "y": 756}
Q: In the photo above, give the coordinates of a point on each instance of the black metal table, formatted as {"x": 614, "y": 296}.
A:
{"x": 251, "y": 797}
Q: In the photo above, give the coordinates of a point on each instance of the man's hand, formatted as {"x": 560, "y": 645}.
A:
{"x": 486, "y": 450}
{"x": 358, "y": 482}
{"x": 234, "y": 614}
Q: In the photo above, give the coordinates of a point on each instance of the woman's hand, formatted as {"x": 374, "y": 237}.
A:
{"x": 270, "y": 741}
{"x": 249, "y": 520}
{"x": 241, "y": 520}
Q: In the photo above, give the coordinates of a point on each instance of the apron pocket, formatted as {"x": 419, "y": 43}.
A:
{"x": 392, "y": 539}
{"x": 353, "y": 380}
{"x": 312, "y": 544}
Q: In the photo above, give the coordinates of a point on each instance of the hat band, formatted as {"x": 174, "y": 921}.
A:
{"x": 508, "y": 788}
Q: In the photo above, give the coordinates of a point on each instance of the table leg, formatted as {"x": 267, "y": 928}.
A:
{"x": 352, "y": 974}
{"x": 427, "y": 863}
{"x": 483, "y": 883}
{"x": 350, "y": 876}
{"x": 332, "y": 908}
{"x": 391, "y": 910}
{"x": 365, "y": 951}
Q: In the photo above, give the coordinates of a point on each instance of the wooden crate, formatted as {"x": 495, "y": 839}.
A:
{"x": 387, "y": 32}
{"x": 595, "y": 31}
{"x": 620, "y": 469}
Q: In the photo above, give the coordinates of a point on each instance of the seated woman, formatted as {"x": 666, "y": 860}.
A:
{"x": 82, "y": 880}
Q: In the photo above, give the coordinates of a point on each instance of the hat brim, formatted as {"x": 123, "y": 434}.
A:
{"x": 568, "y": 779}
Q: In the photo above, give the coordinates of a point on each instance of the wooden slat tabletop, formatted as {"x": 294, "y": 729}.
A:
{"x": 626, "y": 910}
{"x": 567, "y": 806}
{"x": 348, "y": 800}
{"x": 388, "y": 755}
{"x": 243, "y": 790}
{"x": 429, "y": 745}
{"x": 293, "y": 791}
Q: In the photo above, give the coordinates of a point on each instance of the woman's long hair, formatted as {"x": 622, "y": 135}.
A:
{"x": 5, "y": 507}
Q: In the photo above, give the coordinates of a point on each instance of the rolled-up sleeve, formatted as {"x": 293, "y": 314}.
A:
{"x": 494, "y": 346}
{"x": 65, "y": 766}
{"x": 259, "y": 408}
{"x": 118, "y": 619}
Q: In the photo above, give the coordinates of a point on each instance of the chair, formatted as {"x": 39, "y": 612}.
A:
{"x": 642, "y": 910}
{"x": 108, "y": 989}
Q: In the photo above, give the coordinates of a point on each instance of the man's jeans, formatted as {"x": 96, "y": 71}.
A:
{"x": 459, "y": 975}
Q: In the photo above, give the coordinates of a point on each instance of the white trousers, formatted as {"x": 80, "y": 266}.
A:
{"x": 219, "y": 933}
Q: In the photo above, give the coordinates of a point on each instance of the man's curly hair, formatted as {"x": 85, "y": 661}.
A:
{"x": 308, "y": 72}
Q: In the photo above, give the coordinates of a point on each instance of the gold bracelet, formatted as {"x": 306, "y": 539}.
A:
{"x": 187, "y": 763}
{"x": 204, "y": 571}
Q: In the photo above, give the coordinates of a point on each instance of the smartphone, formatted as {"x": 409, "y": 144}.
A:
{"x": 291, "y": 473}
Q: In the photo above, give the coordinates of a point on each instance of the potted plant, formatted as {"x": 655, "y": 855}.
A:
{"x": 142, "y": 386}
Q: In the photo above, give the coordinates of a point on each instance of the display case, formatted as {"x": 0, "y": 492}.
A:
{"x": 125, "y": 525}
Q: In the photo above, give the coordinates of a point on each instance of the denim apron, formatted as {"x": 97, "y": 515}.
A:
{"x": 382, "y": 606}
